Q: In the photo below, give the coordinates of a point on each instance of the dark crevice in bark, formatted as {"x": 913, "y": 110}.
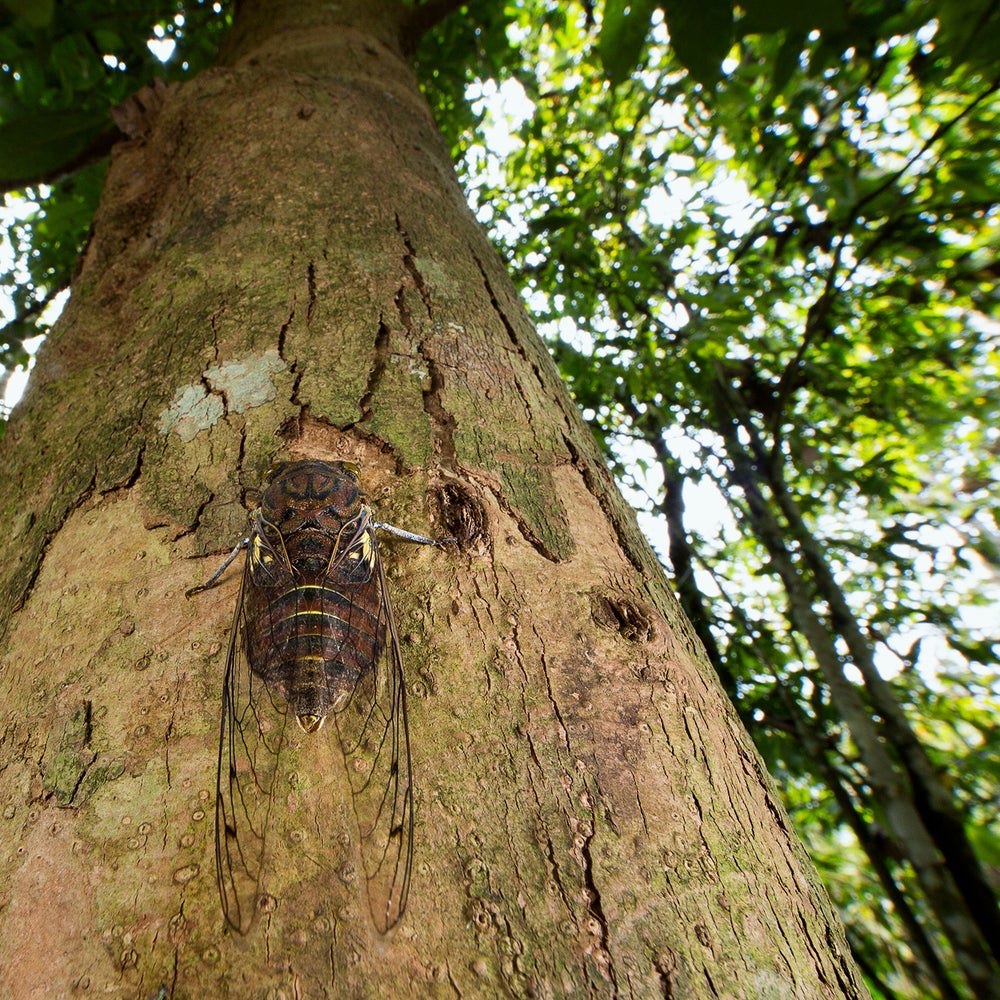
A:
{"x": 639, "y": 806}
{"x": 550, "y": 853}
{"x": 507, "y": 325}
{"x": 241, "y": 454}
{"x": 294, "y": 394}
{"x": 535, "y": 759}
{"x": 552, "y": 698}
{"x": 405, "y": 316}
{"x": 497, "y": 308}
{"x": 88, "y": 722}
{"x": 133, "y": 476}
{"x": 516, "y": 342}
{"x": 410, "y": 263}
{"x": 527, "y": 532}
{"x": 19, "y": 600}
{"x": 842, "y": 967}
{"x": 86, "y": 763}
{"x": 176, "y": 963}
{"x": 283, "y": 332}
{"x": 195, "y": 524}
{"x": 137, "y": 468}
{"x": 166, "y": 748}
{"x": 442, "y": 422}
{"x": 708, "y": 979}
{"x": 311, "y": 282}
{"x": 381, "y": 353}
{"x": 293, "y": 366}
{"x": 596, "y": 908}
{"x": 665, "y": 975}
{"x": 210, "y": 390}
{"x": 85, "y": 766}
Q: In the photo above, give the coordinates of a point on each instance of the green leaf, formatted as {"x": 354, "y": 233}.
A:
{"x": 786, "y": 62}
{"x": 38, "y": 13}
{"x": 701, "y": 34}
{"x": 36, "y": 145}
{"x": 623, "y": 34}
{"x": 792, "y": 15}
{"x": 970, "y": 31}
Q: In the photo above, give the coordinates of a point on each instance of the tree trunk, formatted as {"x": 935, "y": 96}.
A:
{"x": 283, "y": 265}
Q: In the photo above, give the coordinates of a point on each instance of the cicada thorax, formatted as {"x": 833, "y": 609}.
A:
{"x": 315, "y": 622}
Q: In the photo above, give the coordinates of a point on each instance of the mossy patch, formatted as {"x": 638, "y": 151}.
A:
{"x": 532, "y": 496}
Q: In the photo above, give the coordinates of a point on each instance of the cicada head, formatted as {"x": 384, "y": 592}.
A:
{"x": 311, "y": 493}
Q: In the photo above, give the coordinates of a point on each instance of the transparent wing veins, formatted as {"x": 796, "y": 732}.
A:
{"x": 247, "y": 766}
{"x": 377, "y": 757}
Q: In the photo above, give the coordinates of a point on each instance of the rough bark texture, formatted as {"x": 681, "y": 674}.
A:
{"x": 283, "y": 265}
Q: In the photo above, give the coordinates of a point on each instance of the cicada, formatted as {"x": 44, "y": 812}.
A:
{"x": 314, "y": 638}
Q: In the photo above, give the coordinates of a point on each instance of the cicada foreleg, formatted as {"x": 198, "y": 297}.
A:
{"x": 214, "y": 578}
{"x": 409, "y": 536}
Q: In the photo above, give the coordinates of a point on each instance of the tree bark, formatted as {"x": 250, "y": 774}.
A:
{"x": 283, "y": 265}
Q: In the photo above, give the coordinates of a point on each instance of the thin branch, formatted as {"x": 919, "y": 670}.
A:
{"x": 97, "y": 149}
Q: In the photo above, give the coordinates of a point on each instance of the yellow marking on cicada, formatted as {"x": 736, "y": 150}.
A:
{"x": 259, "y": 542}
{"x": 258, "y": 554}
{"x": 310, "y": 723}
{"x": 308, "y": 613}
{"x": 366, "y": 553}
{"x": 362, "y": 538}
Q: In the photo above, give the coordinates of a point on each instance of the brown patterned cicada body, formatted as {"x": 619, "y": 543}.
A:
{"x": 314, "y": 638}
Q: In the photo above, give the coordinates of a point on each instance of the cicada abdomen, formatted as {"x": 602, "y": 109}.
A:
{"x": 314, "y": 637}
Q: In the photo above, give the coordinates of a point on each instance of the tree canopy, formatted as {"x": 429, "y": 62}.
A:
{"x": 762, "y": 240}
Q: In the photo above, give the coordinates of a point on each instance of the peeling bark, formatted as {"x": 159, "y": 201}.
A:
{"x": 591, "y": 819}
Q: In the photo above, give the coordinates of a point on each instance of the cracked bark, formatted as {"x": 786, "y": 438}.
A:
{"x": 590, "y": 817}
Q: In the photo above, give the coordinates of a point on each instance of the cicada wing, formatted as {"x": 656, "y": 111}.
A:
{"x": 375, "y": 740}
{"x": 250, "y": 741}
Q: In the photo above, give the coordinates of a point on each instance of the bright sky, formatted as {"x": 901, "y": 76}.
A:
{"x": 13, "y": 210}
